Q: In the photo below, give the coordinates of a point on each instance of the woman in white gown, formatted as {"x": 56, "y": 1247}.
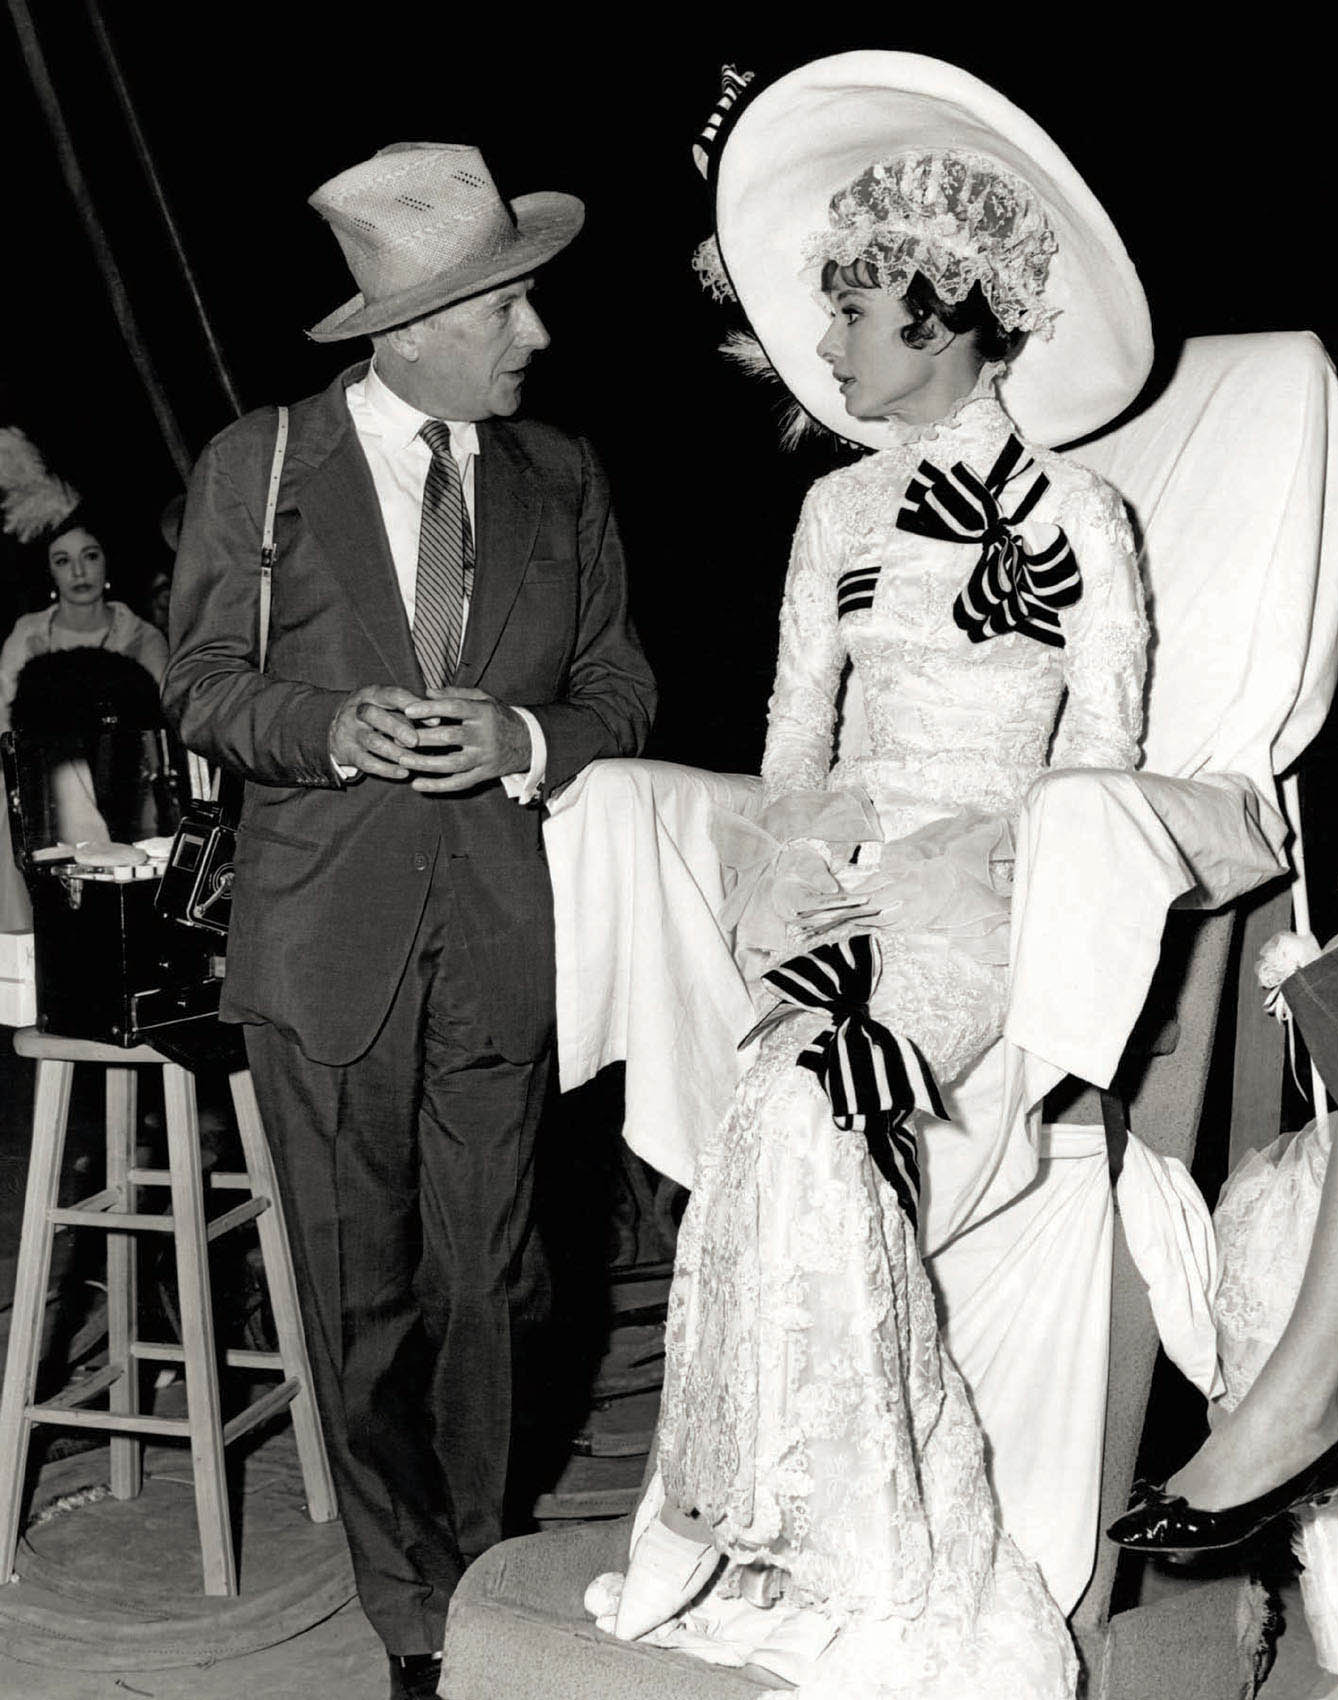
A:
{"x": 822, "y": 1509}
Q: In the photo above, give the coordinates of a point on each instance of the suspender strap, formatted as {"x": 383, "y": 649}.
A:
{"x": 267, "y": 537}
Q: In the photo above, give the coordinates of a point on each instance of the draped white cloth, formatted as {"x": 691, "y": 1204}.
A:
{"x": 646, "y": 974}
{"x": 1228, "y": 478}
{"x": 1232, "y": 474}
{"x": 645, "y": 970}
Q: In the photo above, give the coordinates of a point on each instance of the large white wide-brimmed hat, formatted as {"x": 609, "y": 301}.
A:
{"x": 422, "y": 225}
{"x": 812, "y": 133}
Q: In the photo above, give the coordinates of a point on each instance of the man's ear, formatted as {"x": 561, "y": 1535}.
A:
{"x": 403, "y": 340}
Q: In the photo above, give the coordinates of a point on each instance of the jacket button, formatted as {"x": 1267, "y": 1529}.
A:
{"x": 419, "y": 862}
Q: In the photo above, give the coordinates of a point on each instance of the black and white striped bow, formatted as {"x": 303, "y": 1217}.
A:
{"x": 873, "y": 1078}
{"x": 1010, "y": 589}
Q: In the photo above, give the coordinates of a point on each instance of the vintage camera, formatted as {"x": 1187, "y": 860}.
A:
{"x": 109, "y": 966}
{"x": 196, "y": 887}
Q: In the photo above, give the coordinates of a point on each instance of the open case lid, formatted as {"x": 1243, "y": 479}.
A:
{"x": 70, "y": 792}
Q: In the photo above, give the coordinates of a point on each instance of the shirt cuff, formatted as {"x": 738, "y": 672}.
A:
{"x": 524, "y": 788}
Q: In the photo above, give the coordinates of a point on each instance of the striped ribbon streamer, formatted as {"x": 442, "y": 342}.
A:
{"x": 854, "y": 590}
{"x": 445, "y": 561}
{"x": 1010, "y": 588}
{"x": 872, "y": 1077}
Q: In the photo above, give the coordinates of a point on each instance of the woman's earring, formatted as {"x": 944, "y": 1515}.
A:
{"x": 54, "y": 593}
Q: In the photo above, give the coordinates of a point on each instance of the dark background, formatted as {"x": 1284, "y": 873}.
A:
{"x": 1213, "y": 159}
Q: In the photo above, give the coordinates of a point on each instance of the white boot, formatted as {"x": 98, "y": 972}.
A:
{"x": 665, "y": 1572}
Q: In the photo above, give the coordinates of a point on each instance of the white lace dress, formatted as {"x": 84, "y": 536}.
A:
{"x": 810, "y": 1412}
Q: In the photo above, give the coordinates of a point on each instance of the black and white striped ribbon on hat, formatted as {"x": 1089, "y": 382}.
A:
{"x": 1010, "y": 588}
{"x": 732, "y": 84}
{"x": 873, "y": 1078}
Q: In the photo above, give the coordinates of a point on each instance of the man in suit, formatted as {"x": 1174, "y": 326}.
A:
{"x": 449, "y": 638}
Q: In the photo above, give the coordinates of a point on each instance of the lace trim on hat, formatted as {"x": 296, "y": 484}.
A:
{"x": 710, "y": 270}
{"x": 957, "y": 218}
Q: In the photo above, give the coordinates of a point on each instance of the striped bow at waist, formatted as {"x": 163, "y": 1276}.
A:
{"x": 873, "y": 1078}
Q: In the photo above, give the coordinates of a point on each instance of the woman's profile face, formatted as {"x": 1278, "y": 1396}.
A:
{"x": 78, "y": 566}
{"x": 875, "y": 369}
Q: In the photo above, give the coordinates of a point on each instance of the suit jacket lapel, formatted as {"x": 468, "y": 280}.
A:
{"x": 339, "y": 505}
{"x": 507, "y": 504}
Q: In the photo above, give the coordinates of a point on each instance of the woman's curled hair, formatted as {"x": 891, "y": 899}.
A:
{"x": 973, "y": 316}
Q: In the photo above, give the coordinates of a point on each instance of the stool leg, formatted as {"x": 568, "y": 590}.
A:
{"x": 203, "y": 1404}
{"x": 274, "y": 1249}
{"x": 50, "y": 1110}
{"x": 127, "y": 1450}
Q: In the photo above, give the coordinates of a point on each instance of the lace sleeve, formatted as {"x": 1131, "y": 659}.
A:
{"x": 802, "y": 712}
{"x": 1105, "y": 634}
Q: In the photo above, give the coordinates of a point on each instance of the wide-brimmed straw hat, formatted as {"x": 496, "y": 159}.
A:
{"x": 812, "y": 133}
{"x": 422, "y": 225}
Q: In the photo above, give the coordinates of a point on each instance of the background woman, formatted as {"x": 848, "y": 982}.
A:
{"x": 42, "y": 508}
{"x": 81, "y": 614}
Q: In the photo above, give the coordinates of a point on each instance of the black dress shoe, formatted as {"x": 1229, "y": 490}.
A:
{"x": 1169, "y": 1523}
{"x": 414, "y": 1676}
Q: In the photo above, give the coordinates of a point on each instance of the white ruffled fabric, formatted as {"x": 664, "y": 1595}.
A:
{"x": 1265, "y": 1221}
{"x": 957, "y": 218}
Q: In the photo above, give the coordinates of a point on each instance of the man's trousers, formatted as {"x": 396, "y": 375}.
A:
{"x": 407, "y": 1178}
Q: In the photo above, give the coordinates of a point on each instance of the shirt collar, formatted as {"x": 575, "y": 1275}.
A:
{"x": 399, "y": 422}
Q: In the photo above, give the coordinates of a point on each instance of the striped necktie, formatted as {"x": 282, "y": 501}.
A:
{"x": 445, "y": 561}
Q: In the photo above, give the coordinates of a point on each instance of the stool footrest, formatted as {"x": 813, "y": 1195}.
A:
{"x": 118, "y": 1424}
{"x": 236, "y": 1357}
{"x": 98, "y": 1212}
{"x": 95, "y": 1214}
{"x": 233, "y": 1181}
{"x": 261, "y": 1410}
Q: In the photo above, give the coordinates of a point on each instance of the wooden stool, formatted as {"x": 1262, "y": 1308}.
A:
{"x": 115, "y": 1211}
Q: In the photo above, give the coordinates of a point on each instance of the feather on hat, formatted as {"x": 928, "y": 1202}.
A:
{"x": 34, "y": 499}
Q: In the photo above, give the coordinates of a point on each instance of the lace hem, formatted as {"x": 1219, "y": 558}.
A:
{"x": 812, "y": 1416}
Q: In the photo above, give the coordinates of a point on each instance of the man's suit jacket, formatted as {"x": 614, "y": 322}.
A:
{"x": 331, "y": 881}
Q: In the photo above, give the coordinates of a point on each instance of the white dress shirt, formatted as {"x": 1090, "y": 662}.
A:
{"x": 398, "y": 458}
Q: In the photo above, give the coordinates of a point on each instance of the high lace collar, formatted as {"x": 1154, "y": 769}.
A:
{"x": 974, "y": 418}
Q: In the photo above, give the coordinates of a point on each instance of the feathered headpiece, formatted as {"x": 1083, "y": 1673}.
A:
{"x": 744, "y": 350}
{"x": 34, "y": 500}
